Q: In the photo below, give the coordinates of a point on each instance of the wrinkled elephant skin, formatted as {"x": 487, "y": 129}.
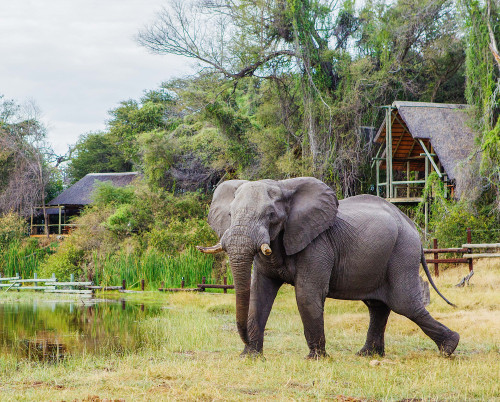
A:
{"x": 295, "y": 231}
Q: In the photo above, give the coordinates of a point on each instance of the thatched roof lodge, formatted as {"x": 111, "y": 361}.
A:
{"x": 72, "y": 200}
{"x": 80, "y": 193}
{"x": 421, "y": 138}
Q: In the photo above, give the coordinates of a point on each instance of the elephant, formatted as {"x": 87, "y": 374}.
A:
{"x": 295, "y": 231}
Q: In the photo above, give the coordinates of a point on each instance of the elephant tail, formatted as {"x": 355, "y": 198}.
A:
{"x": 426, "y": 269}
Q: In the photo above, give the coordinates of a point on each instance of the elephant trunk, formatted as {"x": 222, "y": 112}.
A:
{"x": 241, "y": 246}
{"x": 241, "y": 265}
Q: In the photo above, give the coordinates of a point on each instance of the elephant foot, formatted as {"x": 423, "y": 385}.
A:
{"x": 371, "y": 350}
{"x": 316, "y": 354}
{"x": 448, "y": 346}
{"x": 251, "y": 352}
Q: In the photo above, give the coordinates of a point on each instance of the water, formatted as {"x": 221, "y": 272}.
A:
{"x": 52, "y": 330}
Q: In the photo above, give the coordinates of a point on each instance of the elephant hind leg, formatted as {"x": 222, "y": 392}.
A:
{"x": 379, "y": 313}
{"x": 445, "y": 339}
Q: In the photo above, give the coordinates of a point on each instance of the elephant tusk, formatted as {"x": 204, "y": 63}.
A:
{"x": 266, "y": 250}
{"x": 210, "y": 250}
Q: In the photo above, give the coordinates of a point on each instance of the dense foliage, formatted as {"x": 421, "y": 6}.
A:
{"x": 134, "y": 233}
{"x": 285, "y": 88}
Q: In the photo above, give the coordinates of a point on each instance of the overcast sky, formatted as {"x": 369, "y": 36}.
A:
{"x": 77, "y": 59}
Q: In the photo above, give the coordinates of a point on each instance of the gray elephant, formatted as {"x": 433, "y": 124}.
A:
{"x": 295, "y": 231}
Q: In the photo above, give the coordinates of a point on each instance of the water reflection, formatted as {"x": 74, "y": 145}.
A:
{"x": 50, "y": 331}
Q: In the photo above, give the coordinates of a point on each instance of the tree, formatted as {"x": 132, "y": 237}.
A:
{"x": 326, "y": 65}
{"x": 482, "y": 22}
{"x": 96, "y": 153}
{"x": 26, "y": 171}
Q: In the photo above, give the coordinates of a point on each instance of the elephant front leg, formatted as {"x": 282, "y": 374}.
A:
{"x": 262, "y": 295}
{"x": 379, "y": 313}
{"x": 311, "y": 304}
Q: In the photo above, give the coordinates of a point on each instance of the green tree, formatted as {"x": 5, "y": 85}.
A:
{"x": 323, "y": 66}
{"x": 154, "y": 111}
{"x": 96, "y": 153}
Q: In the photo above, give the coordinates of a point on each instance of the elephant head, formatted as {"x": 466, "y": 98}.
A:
{"x": 249, "y": 215}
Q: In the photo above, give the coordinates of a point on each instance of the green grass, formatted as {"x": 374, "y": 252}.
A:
{"x": 193, "y": 348}
{"x": 23, "y": 259}
{"x": 154, "y": 268}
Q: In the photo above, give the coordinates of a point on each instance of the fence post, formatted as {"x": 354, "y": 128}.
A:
{"x": 436, "y": 256}
{"x": 162, "y": 286}
{"x": 469, "y": 241}
{"x": 225, "y": 283}
{"x": 182, "y": 283}
{"x": 124, "y": 284}
{"x": 203, "y": 281}
{"x": 142, "y": 285}
{"x": 35, "y": 276}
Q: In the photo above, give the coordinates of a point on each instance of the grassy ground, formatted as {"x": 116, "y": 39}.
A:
{"x": 193, "y": 349}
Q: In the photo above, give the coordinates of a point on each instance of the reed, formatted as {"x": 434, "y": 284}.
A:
{"x": 154, "y": 267}
{"x": 24, "y": 259}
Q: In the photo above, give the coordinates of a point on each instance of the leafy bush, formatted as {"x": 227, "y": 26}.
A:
{"x": 107, "y": 194}
{"x": 449, "y": 219}
{"x": 12, "y": 228}
{"x": 66, "y": 261}
{"x": 179, "y": 235}
{"x": 136, "y": 229}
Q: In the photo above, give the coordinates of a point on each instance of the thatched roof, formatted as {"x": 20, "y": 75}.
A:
{"x": 445, "y": 126}
{"x": 80, "y": 193}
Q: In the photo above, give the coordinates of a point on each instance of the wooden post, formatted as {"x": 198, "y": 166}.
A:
{"x": 59, "y": 226}
{"x": 124, "y": 285}
{"x": 35, "y": 276}
{"x": 388, "y": 152}
{"x": 203, "y": 281}
{"x": 408, "y": 178}
{"x": 72, "y": 279}
{"x": 469, "y": 241}
{"x": 225, "y": 283}
{"x": 182, "y": 283}
{"x": 436, "y": 256}
{"x": 162, "y": 285}
{"x": 31, "y": 226}
{"x": 142, "y": 285}
{"x": 426, "y": 205}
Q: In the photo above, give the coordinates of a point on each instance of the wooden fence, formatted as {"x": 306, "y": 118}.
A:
{"x": 467, "y": 253}
{"x": 199, "y": 288}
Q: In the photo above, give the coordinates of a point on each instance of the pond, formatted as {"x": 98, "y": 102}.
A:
{"x": 49, "y": 331}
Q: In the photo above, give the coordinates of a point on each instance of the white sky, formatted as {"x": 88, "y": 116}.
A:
{"x": 77, "y": 59}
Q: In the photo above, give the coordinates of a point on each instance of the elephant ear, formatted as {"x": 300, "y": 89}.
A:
{"x": 218, "y": 216}
{"x": 313, "y": 208}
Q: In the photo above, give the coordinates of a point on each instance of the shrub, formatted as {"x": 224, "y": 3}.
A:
{"x": 66, "y": 261}
{"x": 449, "y": 219}
{"x": 12, "y": 228}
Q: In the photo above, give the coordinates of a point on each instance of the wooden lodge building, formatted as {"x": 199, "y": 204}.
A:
{"x": 72, "y": 200}
{"x": 416, "y": 139}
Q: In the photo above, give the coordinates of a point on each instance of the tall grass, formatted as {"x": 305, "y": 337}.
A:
{"x": 155, "y": 267}
{"x": 23, "y": 259}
